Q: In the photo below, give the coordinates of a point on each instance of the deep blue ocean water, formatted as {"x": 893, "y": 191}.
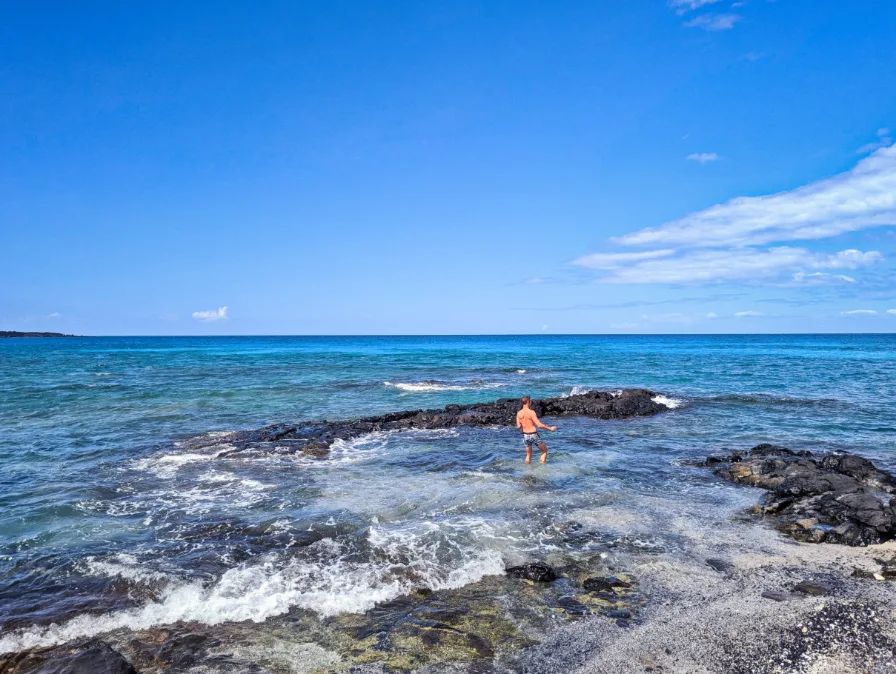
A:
{"x": 114, "y": 510}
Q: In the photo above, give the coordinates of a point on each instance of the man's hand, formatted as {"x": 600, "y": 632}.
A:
{"x": 552, "y": 428}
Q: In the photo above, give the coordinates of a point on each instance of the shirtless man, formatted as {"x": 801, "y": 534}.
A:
{"x": 528, "y": 423}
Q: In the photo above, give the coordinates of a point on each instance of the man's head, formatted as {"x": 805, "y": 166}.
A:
{"x": 526, "y": 400}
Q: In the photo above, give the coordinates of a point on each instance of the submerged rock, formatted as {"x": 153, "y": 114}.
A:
{"x": 834, "y": 498}
{"x": 607, "y": 584}
{"x": 540, "y": 573}
{"x": 93, "y": 657}
{"x": 315, "y": 438}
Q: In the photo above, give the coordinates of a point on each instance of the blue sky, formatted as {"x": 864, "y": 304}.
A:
{"x": 458, "y": 167}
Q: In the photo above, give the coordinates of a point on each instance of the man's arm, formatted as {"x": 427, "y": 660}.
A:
{"x": 519, "y": 422}
{"x": 541, "y": 425}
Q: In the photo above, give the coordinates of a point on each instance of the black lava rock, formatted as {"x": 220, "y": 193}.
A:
{"x": 94, "y": 657}
{"x": 540, "y": 573}
{"x": 598, "y": 584}
{"x": 834, "y": 498}
{"x": 315, "y": 438}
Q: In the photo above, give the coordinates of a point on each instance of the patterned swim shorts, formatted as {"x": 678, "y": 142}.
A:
{"x": 530, "y": 439}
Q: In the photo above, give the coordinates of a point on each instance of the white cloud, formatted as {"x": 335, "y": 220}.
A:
{"x": 212, "y": 315}
{"x": 891, "y": 311}
{"x": 703, "y": 157}
{"x": 742, "y": 314}
{"x": 820, "y": 278}
{"x": 734, "y": 264}
{"x": 714, "y": 21}
{"x": 616, "y": 260}
{"x": 851, "y": 259}
{"x": 55, "y": 314}
{"x": 860, "y": 198}
{"x": 883, "y": 140}
{"x": 859, "y": 312}
{"x": 623, "y": 326}
{"x": 534, "y": 280}
{"x": 712, "y": 315}
{"x": 682, "y": 6}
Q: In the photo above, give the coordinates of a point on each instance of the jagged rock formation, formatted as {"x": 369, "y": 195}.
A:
{"x": 833, "y": 498}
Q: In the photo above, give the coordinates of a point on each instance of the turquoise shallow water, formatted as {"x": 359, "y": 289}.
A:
{"x": 114, "y": 510}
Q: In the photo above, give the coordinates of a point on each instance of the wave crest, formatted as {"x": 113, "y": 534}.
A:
{"x": 432, "y": 386}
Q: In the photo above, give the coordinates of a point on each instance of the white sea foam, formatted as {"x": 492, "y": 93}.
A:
{"x": 521, "y": 372}
{"x": 671, "y": 403}
{"x": 373, "y": 445}
{"x": 124, "y": 566}
{"x": 328, "y": 580}
{"x": 166, "y": 465}
{"x": 431, "y": 386}
{"x": 576, "y": 391}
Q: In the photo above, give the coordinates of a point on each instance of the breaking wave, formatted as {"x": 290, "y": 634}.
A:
{"x": 330, "y": 577}
{"x": 431, "y": 386}
{"x": 671, "y": 403}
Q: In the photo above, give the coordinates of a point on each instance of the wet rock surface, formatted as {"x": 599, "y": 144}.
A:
{"x": 833, "y": 498}
{"x": 92, "y": 657}
{"x": 540, "y": 573}
{"x": 316, "y": 438}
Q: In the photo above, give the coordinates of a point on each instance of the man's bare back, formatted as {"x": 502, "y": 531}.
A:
{"x": 528, "y": 423}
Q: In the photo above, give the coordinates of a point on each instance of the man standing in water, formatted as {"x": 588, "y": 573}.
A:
{"x": 528, "y": 423}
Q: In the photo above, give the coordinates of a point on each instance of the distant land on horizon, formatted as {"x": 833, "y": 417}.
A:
{"x": 14, "y": 333}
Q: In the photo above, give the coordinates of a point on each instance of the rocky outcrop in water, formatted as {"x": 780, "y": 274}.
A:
{"x": 833, "y": 498}
{"x": 315, "y": 438}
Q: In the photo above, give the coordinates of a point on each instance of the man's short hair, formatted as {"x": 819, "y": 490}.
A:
{"x": 526, "y": 400}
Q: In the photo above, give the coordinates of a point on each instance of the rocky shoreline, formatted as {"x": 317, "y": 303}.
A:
{"x": 747, "y": 600}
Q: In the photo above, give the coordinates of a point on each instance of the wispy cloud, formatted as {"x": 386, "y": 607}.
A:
{"x": 55, "y": 314}
{"x": 703, "y": 157}
{"x": 623, "y": 326}
{"x": 891, "y": 311}
{"x": 734, "y": 264}
{"x": 712, "y": 315}
{"x": 884, "y": 139}
{"x": 714, "y": 22}
{"x": 616, "y": 260}
{"x": 859, "y": 312}
{"x": 682, "y": 6}
{"x": 745, "y": 314}
{"x": 218, "y": 314}
{"x": 861, "y": 198}
{"x": 820, "y": 278}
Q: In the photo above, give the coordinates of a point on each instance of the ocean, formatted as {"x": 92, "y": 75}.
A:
{"x": 116, "y": 511}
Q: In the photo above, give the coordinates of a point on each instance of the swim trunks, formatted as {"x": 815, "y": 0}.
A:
{"x": 530, "y": 439}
